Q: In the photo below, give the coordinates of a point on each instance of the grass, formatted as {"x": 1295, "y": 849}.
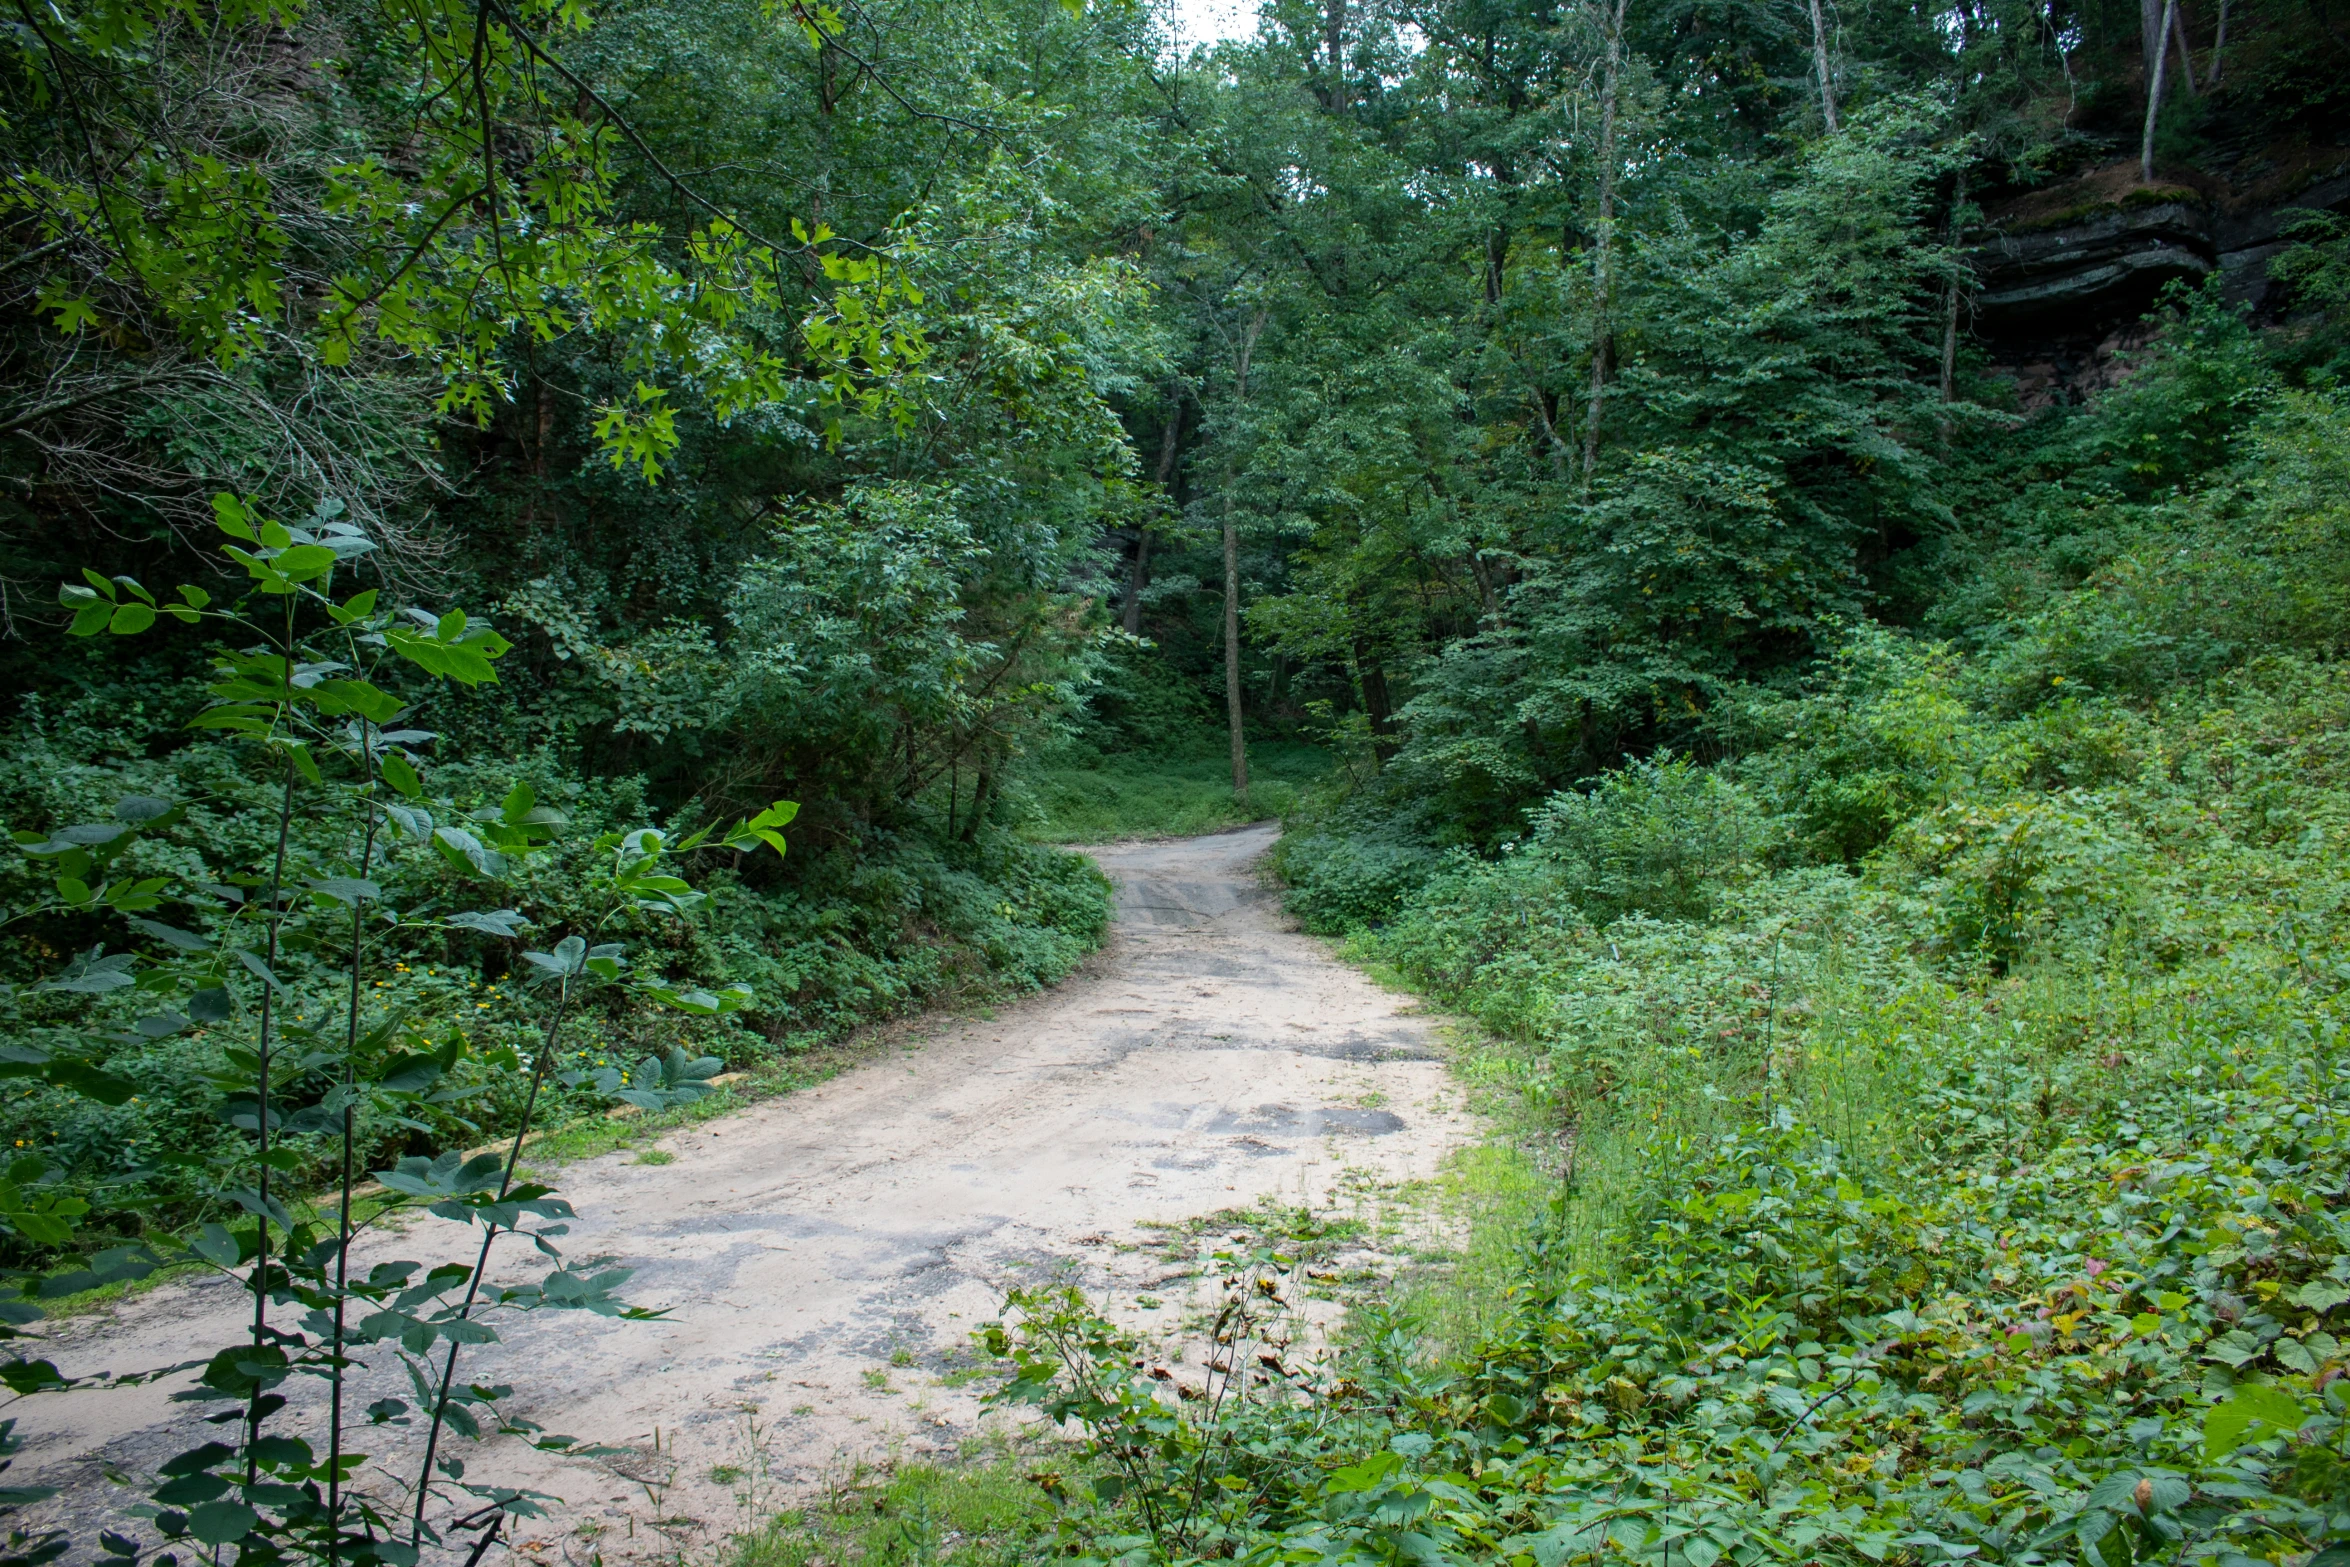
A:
{"x": 1087, "y": 798}
{"x": 976, "y": 1514}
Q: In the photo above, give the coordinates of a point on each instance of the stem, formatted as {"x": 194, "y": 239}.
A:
{"x": 334, "y": 1430}
{"x": 277, "y": 915}
{"x": 481, "y": 1263}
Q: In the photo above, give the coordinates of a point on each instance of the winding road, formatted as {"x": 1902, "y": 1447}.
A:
{"x": 823, "y": 1257}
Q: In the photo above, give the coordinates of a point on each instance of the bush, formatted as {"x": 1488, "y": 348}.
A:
{"x": 1948, "y": 1093}
{"x": 856, "y": 933}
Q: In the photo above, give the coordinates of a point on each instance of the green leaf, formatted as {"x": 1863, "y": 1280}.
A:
{"x": 131, "y": 619}
{"x": 172, "y": 935}
{"x": 216, "y": 1245}
{"x": 221, "y": 1523}
{"x": 90, "y": 1082}
{"x": 466, "y": 852}
{"x": 305, "y": 562}
{"x": 494, "y": 922}
{"x": 400, "y": 775}
{"x": 30, "y": 1376}
{"x": 233, "y": 518}
{"x": 357, "y": 607}
{"x": 2322, "y": 1294}
{"x": 260, "y": 969}
{"x": 356, "y": 696}
{"x": 2251, "y": 1413}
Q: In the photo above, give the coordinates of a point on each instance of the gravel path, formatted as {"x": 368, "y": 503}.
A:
{"x": 825, "y": 1256}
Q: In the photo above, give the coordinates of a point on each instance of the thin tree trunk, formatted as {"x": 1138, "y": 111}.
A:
{"x": 1334, "y": 39}
{"x": 981, "y": 794}
{"x": 2178, "y": 35}
{"x": 1130, "y": 616}
{"x": 1232, "y": 652}
{"x": 1168, "y": 443}
{"x": 1246, "y": 349}
{"x": 2219, "y": 44}
{"x": 2150, "y": 30}
{"x": 1949, "y": 345}
{"x": 1950, "y": 306}
{"x": 1604, "y": 241}
{"x": 538, "y": 455}
{"x": 2154, "y": 93}
{"x": 1819, "y": 60}
{"x": 1378, "y": 706}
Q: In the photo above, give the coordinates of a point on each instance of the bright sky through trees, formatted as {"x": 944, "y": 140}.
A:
{"x": 1206, "y": 21}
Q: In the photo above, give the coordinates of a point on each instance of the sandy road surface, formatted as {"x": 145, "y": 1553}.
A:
{"x": 813, "y": 1247}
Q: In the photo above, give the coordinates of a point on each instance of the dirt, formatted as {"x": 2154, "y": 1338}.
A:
{"x": 824, "y": 1258}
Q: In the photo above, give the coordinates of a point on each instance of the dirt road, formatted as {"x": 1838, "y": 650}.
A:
{"x": 825, "y": 1256}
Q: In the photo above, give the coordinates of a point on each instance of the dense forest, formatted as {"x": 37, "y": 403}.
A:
{"x": 1789, "y": 560}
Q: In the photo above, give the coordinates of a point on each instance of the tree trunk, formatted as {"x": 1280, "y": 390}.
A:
{"x": 2150, "y": 30}
{"x": 1950, "y": 305}
{"x": 2219, "y": 44}
{"x": 1603, "y": 241}
{"x": 1378, "y": 706}
{"x": 2154, "y": 93}
{"x": 980, "y": 795}
{"x": 1819, "y": 60}
{"x": 1334, "y": 40}
{"x": 1243, "y": 351}
{"x": 1232, "y": 652}
{"x": 2178, "y": 36}
{"x": 538, "y": 454}
{"x": 1130, "y": 614}
{"x": 1132, "y": 617}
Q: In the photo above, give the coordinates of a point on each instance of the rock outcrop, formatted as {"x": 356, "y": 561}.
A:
{"x": 2092, "y": 255}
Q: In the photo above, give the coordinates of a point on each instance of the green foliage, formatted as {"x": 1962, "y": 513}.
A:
{"x": 224, "y": 1082}
{"x": 976, "y": 1513}
{"x": 310, "y": 684}
{"x": 1077, "y": 795}
{"x": 1947, "y": 1082}
{"x": 1351, "y": 867}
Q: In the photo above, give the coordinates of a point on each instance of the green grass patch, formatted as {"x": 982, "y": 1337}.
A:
{"x": 994, "y": 1510}
{"x": 1082, "y": 796}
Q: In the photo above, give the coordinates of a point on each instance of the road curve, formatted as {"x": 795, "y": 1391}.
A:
{"x": 823, "y": 1256}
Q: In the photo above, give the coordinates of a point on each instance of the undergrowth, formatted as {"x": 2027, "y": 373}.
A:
{"x": 1934, "y": 1113}
{"x": 994, "y": 1510}
{"x": 859, "y": 933}
{"x": 1080, "y": 795}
